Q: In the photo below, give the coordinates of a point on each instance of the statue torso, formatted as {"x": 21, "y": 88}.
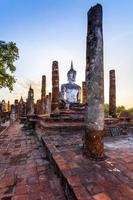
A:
{"x": 70, "y": 93}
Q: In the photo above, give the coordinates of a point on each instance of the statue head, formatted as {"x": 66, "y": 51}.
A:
{"x": 71, "y": 74}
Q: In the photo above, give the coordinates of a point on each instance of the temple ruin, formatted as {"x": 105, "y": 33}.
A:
{"x": 63, "y": 146}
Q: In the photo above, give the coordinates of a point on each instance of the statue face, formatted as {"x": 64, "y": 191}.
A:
{"x": 71, "y": 77}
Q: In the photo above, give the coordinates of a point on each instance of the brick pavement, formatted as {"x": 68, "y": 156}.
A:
{"x": 25, "y": 173}
{"x": 111, "y": 179}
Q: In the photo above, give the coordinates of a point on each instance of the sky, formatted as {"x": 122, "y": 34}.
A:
{"x": 47, "y": 30}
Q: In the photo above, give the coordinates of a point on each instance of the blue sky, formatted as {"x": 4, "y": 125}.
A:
{"x": 47, "y": 30}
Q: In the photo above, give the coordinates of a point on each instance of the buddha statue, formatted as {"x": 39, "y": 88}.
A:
{"x": 70, "y": 92}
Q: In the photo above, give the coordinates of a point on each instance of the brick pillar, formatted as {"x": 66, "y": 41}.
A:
{"x": 43, "y": 94}
{"x": 112, "y": 94}
{"x": 84, "y": 100}
{"x": 55, "y": 87}
{"x": 93, "y": 145}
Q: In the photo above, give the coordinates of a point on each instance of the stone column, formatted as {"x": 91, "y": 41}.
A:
{"x": 84, "y": 92}
{"x": 55, "y": 88}
{"x": 112, "y": 94}
{"x": 43, "y": 94}
{"x": 93, "y": 146}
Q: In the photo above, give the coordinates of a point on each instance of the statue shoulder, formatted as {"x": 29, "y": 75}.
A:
{"x": 64, "y": 86}
{"x": 77, "y": 86}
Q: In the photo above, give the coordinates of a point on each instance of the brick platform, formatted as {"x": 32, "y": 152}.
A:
{"x": 84, "y": 179}
{"x": 25, "y": 173}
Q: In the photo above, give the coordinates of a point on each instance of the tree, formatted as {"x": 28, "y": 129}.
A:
{"x": 106, "y": 108}
{"x": 120, "y": 109}
{"x": 130, "y": 110}
{"x": 8, "y": 55}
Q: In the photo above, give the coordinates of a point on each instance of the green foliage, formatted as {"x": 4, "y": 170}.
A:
{"x": 130, "y": 110}
{"x": 106, "y": 108}
{"x": 120, "y": 109}
{"x": 8, "y": 55}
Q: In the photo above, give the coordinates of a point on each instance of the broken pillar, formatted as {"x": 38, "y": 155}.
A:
{"x": 55, "y": 88}
{"x": 84, "y": 92}
{"x": 93, "y": 145}
{"x": 112, "y": 94}
{"x": 43, "y": 94}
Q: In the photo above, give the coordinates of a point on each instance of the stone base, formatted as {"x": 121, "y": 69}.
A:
{"x": 55, "y": 113}
{"x": 93, "y": 145}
